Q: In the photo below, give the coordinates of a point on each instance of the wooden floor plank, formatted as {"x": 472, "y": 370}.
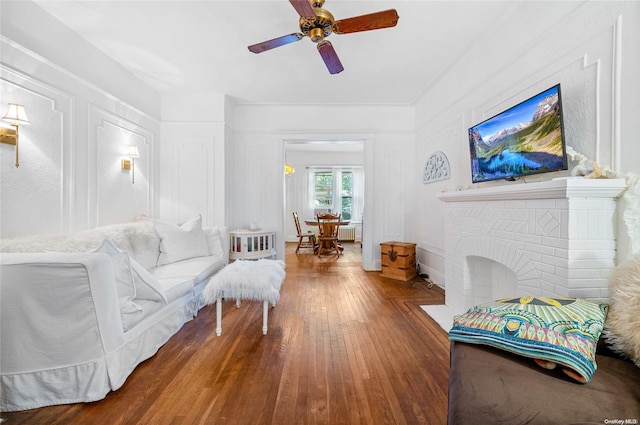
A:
{"x": 344, "y": 346}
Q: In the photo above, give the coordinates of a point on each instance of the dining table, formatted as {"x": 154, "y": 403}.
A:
{"x": 314, "y": 222}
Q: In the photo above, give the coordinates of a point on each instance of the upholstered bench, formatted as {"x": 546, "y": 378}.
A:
{"x": 246, "y": 280}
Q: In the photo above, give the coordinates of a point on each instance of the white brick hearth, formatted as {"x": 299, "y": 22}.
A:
{"x": 553, "y": 238}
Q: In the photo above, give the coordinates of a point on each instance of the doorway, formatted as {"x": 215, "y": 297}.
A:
{"x": 342, "y": 164}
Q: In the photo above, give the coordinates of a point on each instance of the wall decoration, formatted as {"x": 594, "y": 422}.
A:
{"x": 436, "y": 168}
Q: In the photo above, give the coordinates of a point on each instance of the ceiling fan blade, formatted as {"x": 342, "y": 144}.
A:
{"x": 276, "y": 42}
{"x": 304, "y": 9}
{"x": 330, "y": 57}
{"x": 372, "y": 21}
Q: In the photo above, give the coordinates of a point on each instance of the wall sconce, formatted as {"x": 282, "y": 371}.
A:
{"x": 17, "y": 117}
{"x": 288, "y": 169}
{"x": 129, "y": 164}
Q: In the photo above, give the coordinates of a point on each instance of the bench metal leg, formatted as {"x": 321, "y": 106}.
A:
{"x": 219, "y": 317}
{"x": 265, "y": 314}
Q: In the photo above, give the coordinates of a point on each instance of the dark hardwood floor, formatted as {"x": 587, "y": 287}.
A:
{"x": 344, "y": 346}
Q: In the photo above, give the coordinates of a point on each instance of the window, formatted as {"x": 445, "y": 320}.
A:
{"x": 347, "y": 195}
{"x": 334, "y": 191}
{"x": 323, "y": 193}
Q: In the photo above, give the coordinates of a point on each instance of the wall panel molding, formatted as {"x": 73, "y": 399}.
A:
{"x": 112, "y": 198}
{"x": 192, "y": 176}
{"x": 590, "y": 76}
{"x": 45, "y": 177}
{"x": 194, "y": 167}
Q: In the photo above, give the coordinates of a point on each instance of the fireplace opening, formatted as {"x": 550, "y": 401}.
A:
{"x": 487, "y": 280}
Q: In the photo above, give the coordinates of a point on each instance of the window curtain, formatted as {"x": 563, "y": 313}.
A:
{"x": 311, "y": 193}
{"x": 358, "y": 194}
{"x": 336, "y": 202}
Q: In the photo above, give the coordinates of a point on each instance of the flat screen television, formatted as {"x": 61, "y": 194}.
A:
{"x": 526, "y": 139}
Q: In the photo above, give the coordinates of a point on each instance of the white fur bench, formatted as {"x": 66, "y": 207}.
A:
{"x": 246, "y": 280}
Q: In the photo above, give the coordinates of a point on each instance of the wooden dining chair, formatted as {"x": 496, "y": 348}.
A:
{"x": 305, "y": 240}
{"x": 328, "y": 225}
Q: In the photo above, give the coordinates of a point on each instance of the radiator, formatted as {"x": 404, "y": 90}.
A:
{"x": 347, "y": 233}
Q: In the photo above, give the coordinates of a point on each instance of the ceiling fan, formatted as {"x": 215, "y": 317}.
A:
{"x": 317, "y": 23}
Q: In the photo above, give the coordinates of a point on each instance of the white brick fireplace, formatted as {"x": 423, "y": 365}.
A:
{"x": 550, "y": 238}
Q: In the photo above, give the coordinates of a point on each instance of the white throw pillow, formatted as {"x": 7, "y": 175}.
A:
{"x": 214, "y": 240}
{"x": 145, "y": 286}
{"x": 130, "y": 312}
{"x": 179, "y": 243}
{"x": 121, "y": 268}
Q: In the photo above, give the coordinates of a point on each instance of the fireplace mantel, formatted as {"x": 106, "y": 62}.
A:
{"x": 561, "y": 188}
{"x": 553, "y": 238}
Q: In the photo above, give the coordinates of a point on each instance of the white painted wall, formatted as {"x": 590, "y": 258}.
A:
{"x": 259, "y": 135}
{"x": 193, "y": 160}
{"x": 84, "y": 114}
{"x": 592, "y": 53}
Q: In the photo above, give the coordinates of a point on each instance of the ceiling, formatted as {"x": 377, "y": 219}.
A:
{"x": 201, "y": 46}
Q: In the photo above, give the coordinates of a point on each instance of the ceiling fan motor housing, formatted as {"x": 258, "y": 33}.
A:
{"x": 319, "y": 27}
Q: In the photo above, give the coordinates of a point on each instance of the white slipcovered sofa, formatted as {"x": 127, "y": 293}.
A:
{"x": 79, "y": 312}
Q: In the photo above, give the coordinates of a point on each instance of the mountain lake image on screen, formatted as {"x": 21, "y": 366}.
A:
{"x": 525, "y": 139}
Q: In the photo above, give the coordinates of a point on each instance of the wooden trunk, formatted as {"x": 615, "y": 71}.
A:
{"x": 398, "y": 260}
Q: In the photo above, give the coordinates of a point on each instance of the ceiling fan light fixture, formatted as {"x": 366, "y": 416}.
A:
{"x": 316, "y": 35}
